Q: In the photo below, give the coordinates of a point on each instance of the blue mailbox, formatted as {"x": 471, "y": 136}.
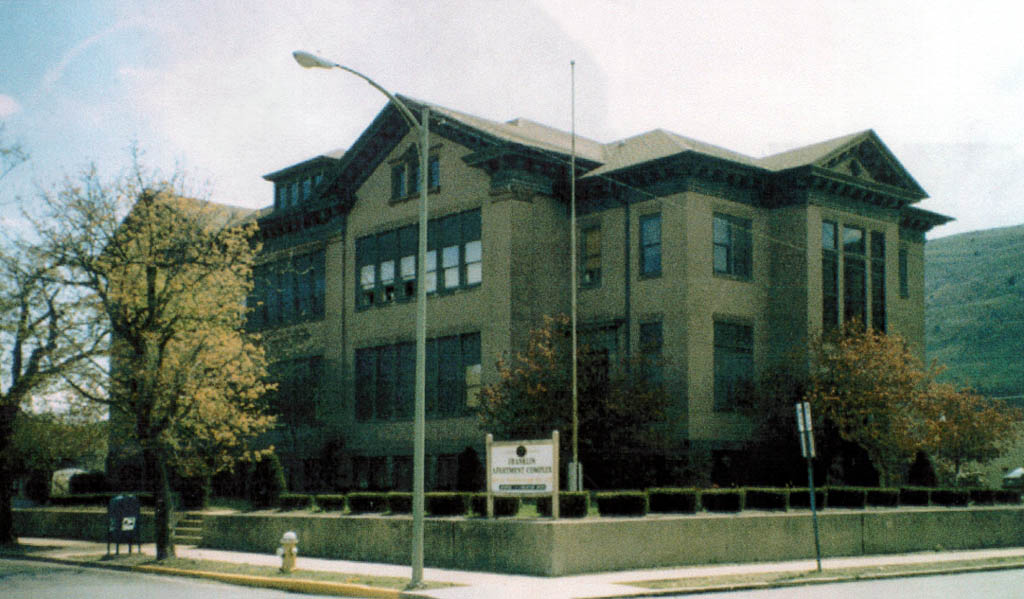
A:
{"x": 123, "y": 523}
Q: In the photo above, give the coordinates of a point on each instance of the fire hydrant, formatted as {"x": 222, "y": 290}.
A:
{"x": 288, "y": 550}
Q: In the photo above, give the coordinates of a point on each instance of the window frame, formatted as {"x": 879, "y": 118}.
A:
{"x": 729, "y": 358}
{"x": 646, "y": 269}
{"x": 739, "y": 247}
{"x": 590, "y": 278}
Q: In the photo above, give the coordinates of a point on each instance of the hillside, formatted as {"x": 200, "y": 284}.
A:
{"x": 974, "y": 308}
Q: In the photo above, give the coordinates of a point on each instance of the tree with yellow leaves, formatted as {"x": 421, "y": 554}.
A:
{"x": 170, "y": 274}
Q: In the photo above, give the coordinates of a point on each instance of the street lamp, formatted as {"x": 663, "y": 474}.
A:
{"x": 309, "y": 61}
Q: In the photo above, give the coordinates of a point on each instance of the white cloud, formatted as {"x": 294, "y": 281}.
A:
{"x": 8, "y": 106}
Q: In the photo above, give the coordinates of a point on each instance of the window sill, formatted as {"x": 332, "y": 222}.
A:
{"x": 732, "y": 277}
{"x": 413, "y": 196}
{"x": 649, "y": 275}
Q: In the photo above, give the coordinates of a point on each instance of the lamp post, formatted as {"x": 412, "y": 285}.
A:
{"x": 308, "y": 61}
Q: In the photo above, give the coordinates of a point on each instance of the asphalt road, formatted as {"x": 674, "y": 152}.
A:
{"x": 40, "y": 580}
{"x": 1001, "y": 584}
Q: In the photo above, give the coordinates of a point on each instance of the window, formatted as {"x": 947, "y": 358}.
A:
{"x": 385, "y": 378}
{"x": 650, "y": 245}
{"x": 878, "y": 280}
{"x": 386, "y": 262}
{"x": 854, "y": 276}
{"x": 734, "y": 363}
{"x": 650, "y": 349}
{"x": 904, "y": 276}
{"x": 288, "y": 291}
{"x": 398, "y": 181}
{"x": 405, "y": 176}
{"x": 829, "y": 275}
{"x": 732, "y": 246}
{"x": 590, "y": 257}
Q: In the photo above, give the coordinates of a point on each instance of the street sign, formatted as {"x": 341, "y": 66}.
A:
{"x": 805, "y": 428}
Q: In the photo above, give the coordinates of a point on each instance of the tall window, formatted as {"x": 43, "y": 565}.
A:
{"x": 405, "y": 176}
{"x": 878, "y": 281}
{"x": 854, "y": 275}
{"x": 386, "y": 262}
{"x": 904, "y": 275}
{"x": 829, "y": 275}
{"x": 734, "y": 363}
{"x": 732, "y": 246}
{"x": 650, "y": 349}
{"x": 650, "y": 245}
{"x": 385, "y": 378}
{"x": 590, "y": 257}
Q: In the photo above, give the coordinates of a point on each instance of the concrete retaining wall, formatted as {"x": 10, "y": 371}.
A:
{"x": 554, "y": 548}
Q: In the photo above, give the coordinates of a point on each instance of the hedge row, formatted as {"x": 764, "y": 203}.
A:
{"x": 625, "y": 503}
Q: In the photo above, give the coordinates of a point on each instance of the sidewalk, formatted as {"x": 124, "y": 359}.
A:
{"x": 478, "y": 585}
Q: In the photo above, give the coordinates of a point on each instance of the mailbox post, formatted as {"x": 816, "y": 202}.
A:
{"x": 123, "y": 523}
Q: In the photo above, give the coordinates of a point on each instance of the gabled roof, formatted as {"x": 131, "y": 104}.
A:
{"x": 859, "y": 160}
{"x": 656, "y": 144}
{"x": 327, "y": 158}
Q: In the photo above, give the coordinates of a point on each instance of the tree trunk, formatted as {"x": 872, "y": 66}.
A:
{"x": 7, "y": 534}
{"x": 161, "y": 489}
{"x": 8, "y": 411}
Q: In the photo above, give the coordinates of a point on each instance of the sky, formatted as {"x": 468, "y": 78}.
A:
{"x": 211, "y": 87}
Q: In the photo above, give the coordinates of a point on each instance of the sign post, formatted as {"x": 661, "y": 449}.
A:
{"x": 522, "y": 468}
{"x": 806, "y": 431}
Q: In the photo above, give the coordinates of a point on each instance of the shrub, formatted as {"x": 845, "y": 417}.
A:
{"x": 621, "y": 503}
{"x": 399, "y": 502}
{"x": 447, "y": 504}
{"x": 1007, "y": 496}
{"x": 801, "y": 498}
{"x": 267, "y": 482}
{"x": 294, "y": 501}
{"x": 721, "y": 500}
{"x": 767, "y": 499}
{"x": 672, "y": 501}
{"x": 503, "y": 506}
{"x": 38, "y": 487}
{"x": 88, "y": 482}
{"x": 330, "y": 503}
{"x": 194, "y": 492}
{"x": 571, "y": 504}
{"x": 914, "y": 495}
{"x": 848, "y": 497}
{"x": 883, "y": 497}
{"x": 950, "y": 497}
{"x": 983, "y": 496}
{"x": 367, "y": 503}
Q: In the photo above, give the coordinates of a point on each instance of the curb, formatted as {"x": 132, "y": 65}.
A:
{"x": 759, "y": 586}
{"x": 298, "y": 585}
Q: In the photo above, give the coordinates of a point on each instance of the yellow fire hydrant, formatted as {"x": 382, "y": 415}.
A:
{"x": 288, "y": 550}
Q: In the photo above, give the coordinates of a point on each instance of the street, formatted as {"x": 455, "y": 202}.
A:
{"x": 1001, "y": 584}
{"x": 39, "y": 580}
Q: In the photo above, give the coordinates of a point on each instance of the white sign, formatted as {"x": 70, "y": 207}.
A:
{"x": 805, "y": 429}
{"x": 127, "y": 523}
{"x": 522, "y": 467}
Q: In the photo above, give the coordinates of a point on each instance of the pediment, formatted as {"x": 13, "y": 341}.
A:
{"x": 866, "y": 159}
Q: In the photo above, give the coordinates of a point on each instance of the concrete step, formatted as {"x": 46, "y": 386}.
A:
{"x": 186, "y": 540}
{"x": 192, "y": 531}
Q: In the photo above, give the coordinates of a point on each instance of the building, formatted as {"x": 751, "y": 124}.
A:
{"x": 724, "y": 264}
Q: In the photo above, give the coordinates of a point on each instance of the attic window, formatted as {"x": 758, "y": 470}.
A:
{"x": 405, "y": 175}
